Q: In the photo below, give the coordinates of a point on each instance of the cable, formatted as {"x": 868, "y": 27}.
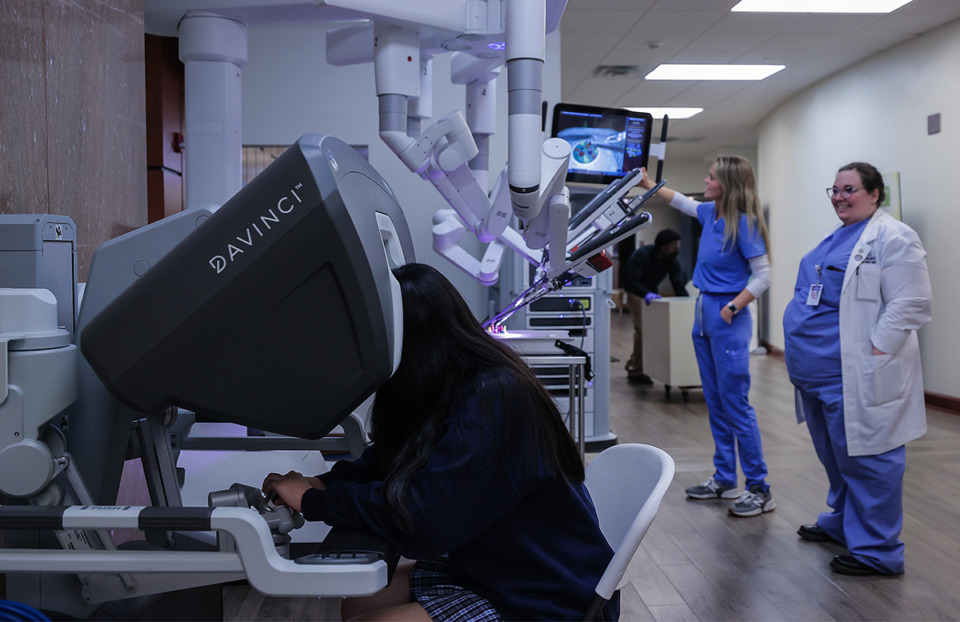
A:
{"x": 576, "y": 304}
{"x": 12, "y": 611}
{"x": 573, "y": 350}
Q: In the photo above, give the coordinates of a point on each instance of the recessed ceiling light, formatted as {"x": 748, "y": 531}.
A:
{"x": 819, "y": 6}
{"x": 673, "y": 113}
{"x": 713, "y": 72}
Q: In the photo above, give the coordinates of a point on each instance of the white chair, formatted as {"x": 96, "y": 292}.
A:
{"x": 627, "y": 483}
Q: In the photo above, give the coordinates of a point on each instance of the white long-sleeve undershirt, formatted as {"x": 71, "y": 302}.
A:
{"x": 760, "y": 267}
{"x": 685, "y": 204}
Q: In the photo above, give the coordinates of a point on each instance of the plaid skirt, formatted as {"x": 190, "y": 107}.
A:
{"x": 434, "y": 587}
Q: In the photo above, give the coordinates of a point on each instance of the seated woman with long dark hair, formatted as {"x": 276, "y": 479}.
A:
{"x": 471, "y": 473}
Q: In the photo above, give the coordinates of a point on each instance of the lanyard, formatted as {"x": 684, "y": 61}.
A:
{"x": 816, "y": 289}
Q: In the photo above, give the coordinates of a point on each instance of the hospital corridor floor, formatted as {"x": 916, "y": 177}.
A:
{"x": 699, "y": 563}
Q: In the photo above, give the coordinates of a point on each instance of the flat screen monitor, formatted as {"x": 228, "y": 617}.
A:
{"x": 605, "y": 143}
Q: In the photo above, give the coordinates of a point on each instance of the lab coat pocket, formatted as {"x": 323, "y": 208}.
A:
{"x": 883, "y": 379}
{"x": 868, "y": 282}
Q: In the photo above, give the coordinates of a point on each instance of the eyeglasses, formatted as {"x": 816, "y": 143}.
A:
{"x": 846, "y": 191}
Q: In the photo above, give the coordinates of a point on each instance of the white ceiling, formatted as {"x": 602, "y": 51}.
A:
{"x": 650, "y": 32}
{"x": 646, "y": 33}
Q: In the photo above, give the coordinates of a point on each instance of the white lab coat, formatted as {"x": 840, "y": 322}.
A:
{"x": 885, "y": 299}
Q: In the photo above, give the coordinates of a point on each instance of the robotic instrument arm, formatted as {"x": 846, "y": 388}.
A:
{"x": 585, "y": 253}
{"x": 443, "y": 152}
{"x": 448, "y": 154}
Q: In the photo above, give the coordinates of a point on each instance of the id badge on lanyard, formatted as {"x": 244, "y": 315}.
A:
{"x": 816, "y": 289}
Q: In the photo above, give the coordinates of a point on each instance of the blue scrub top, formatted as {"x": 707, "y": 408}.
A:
{"x": 722, "y": 270}
{"x": 812, "y": 333}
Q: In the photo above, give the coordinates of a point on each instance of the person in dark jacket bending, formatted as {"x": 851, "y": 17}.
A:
{"x": 471, "y": 472}
{"x": 645, "y": 270}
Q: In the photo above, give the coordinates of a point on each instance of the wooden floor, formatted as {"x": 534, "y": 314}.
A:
{"x": 699, "y": 563}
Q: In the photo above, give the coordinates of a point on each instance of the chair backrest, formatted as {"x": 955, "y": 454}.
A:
{"x": 627, "y": 483}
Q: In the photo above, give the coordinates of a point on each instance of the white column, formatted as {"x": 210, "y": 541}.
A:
{"x": 213, "y": 48}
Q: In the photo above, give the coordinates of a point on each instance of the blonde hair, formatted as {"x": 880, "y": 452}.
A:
{"x": 739, "y": 185}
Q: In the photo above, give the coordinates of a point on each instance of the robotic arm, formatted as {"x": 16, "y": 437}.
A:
{"x": 451, "y": 153}
{"x": 585, "y": 255}
{"x": 526, "y": 40}
{"x": 443, "y": 153}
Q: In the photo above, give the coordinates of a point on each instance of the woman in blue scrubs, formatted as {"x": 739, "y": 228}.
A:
{"x": 852, "y": 354}
{"x": 732, "y": 270}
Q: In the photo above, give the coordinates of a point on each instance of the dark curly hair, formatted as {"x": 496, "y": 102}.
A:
{"x": 870, "y": 177}
{"x": 664, "y": 237}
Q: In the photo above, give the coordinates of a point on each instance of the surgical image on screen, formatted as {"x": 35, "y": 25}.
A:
{"x": 595, "y": 149}
{"x": 605, "y": 143}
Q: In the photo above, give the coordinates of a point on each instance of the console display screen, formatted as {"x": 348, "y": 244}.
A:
{"x": 605, "y": 143}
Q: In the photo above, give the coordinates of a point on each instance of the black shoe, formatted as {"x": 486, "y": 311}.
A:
{"x": 815, "y": 533}
{"x": 640, "y": 379}
{"x": 850, "y": 565}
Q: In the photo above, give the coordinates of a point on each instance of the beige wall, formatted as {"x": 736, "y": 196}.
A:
{"x": 874, "y": 111}
{"x": 72, "y": 120}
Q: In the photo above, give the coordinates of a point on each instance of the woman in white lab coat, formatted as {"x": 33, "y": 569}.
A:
{"x": 852, "y": 353}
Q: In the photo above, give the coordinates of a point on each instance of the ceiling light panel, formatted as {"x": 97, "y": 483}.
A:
{"x": 819, "y": 6}
{"x": 713, "y": 72}
{"x": 673, "y": 113}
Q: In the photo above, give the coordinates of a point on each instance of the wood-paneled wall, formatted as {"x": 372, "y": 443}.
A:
{"x": 72, "y": 120}
{"x": 165, "y": 117}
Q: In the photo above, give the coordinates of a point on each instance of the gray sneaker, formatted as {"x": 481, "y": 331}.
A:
{"x": 710, "y": 489}
{"x": 753, "y": 502}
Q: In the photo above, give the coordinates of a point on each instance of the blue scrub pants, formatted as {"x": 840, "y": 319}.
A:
{"x": 866, "y": 492}
{"x": 723, "y": 355}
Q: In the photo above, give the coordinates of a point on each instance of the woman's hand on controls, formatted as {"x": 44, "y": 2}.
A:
{"x": 289, "y": 488}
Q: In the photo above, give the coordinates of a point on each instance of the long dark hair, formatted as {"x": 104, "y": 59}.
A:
{"x": 444, "y": 351}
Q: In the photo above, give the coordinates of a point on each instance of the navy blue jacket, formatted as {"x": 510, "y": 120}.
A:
{"x": 515, "y": 533}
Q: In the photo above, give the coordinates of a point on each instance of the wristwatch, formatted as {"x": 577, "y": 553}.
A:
{"x": 733, "y": 308}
